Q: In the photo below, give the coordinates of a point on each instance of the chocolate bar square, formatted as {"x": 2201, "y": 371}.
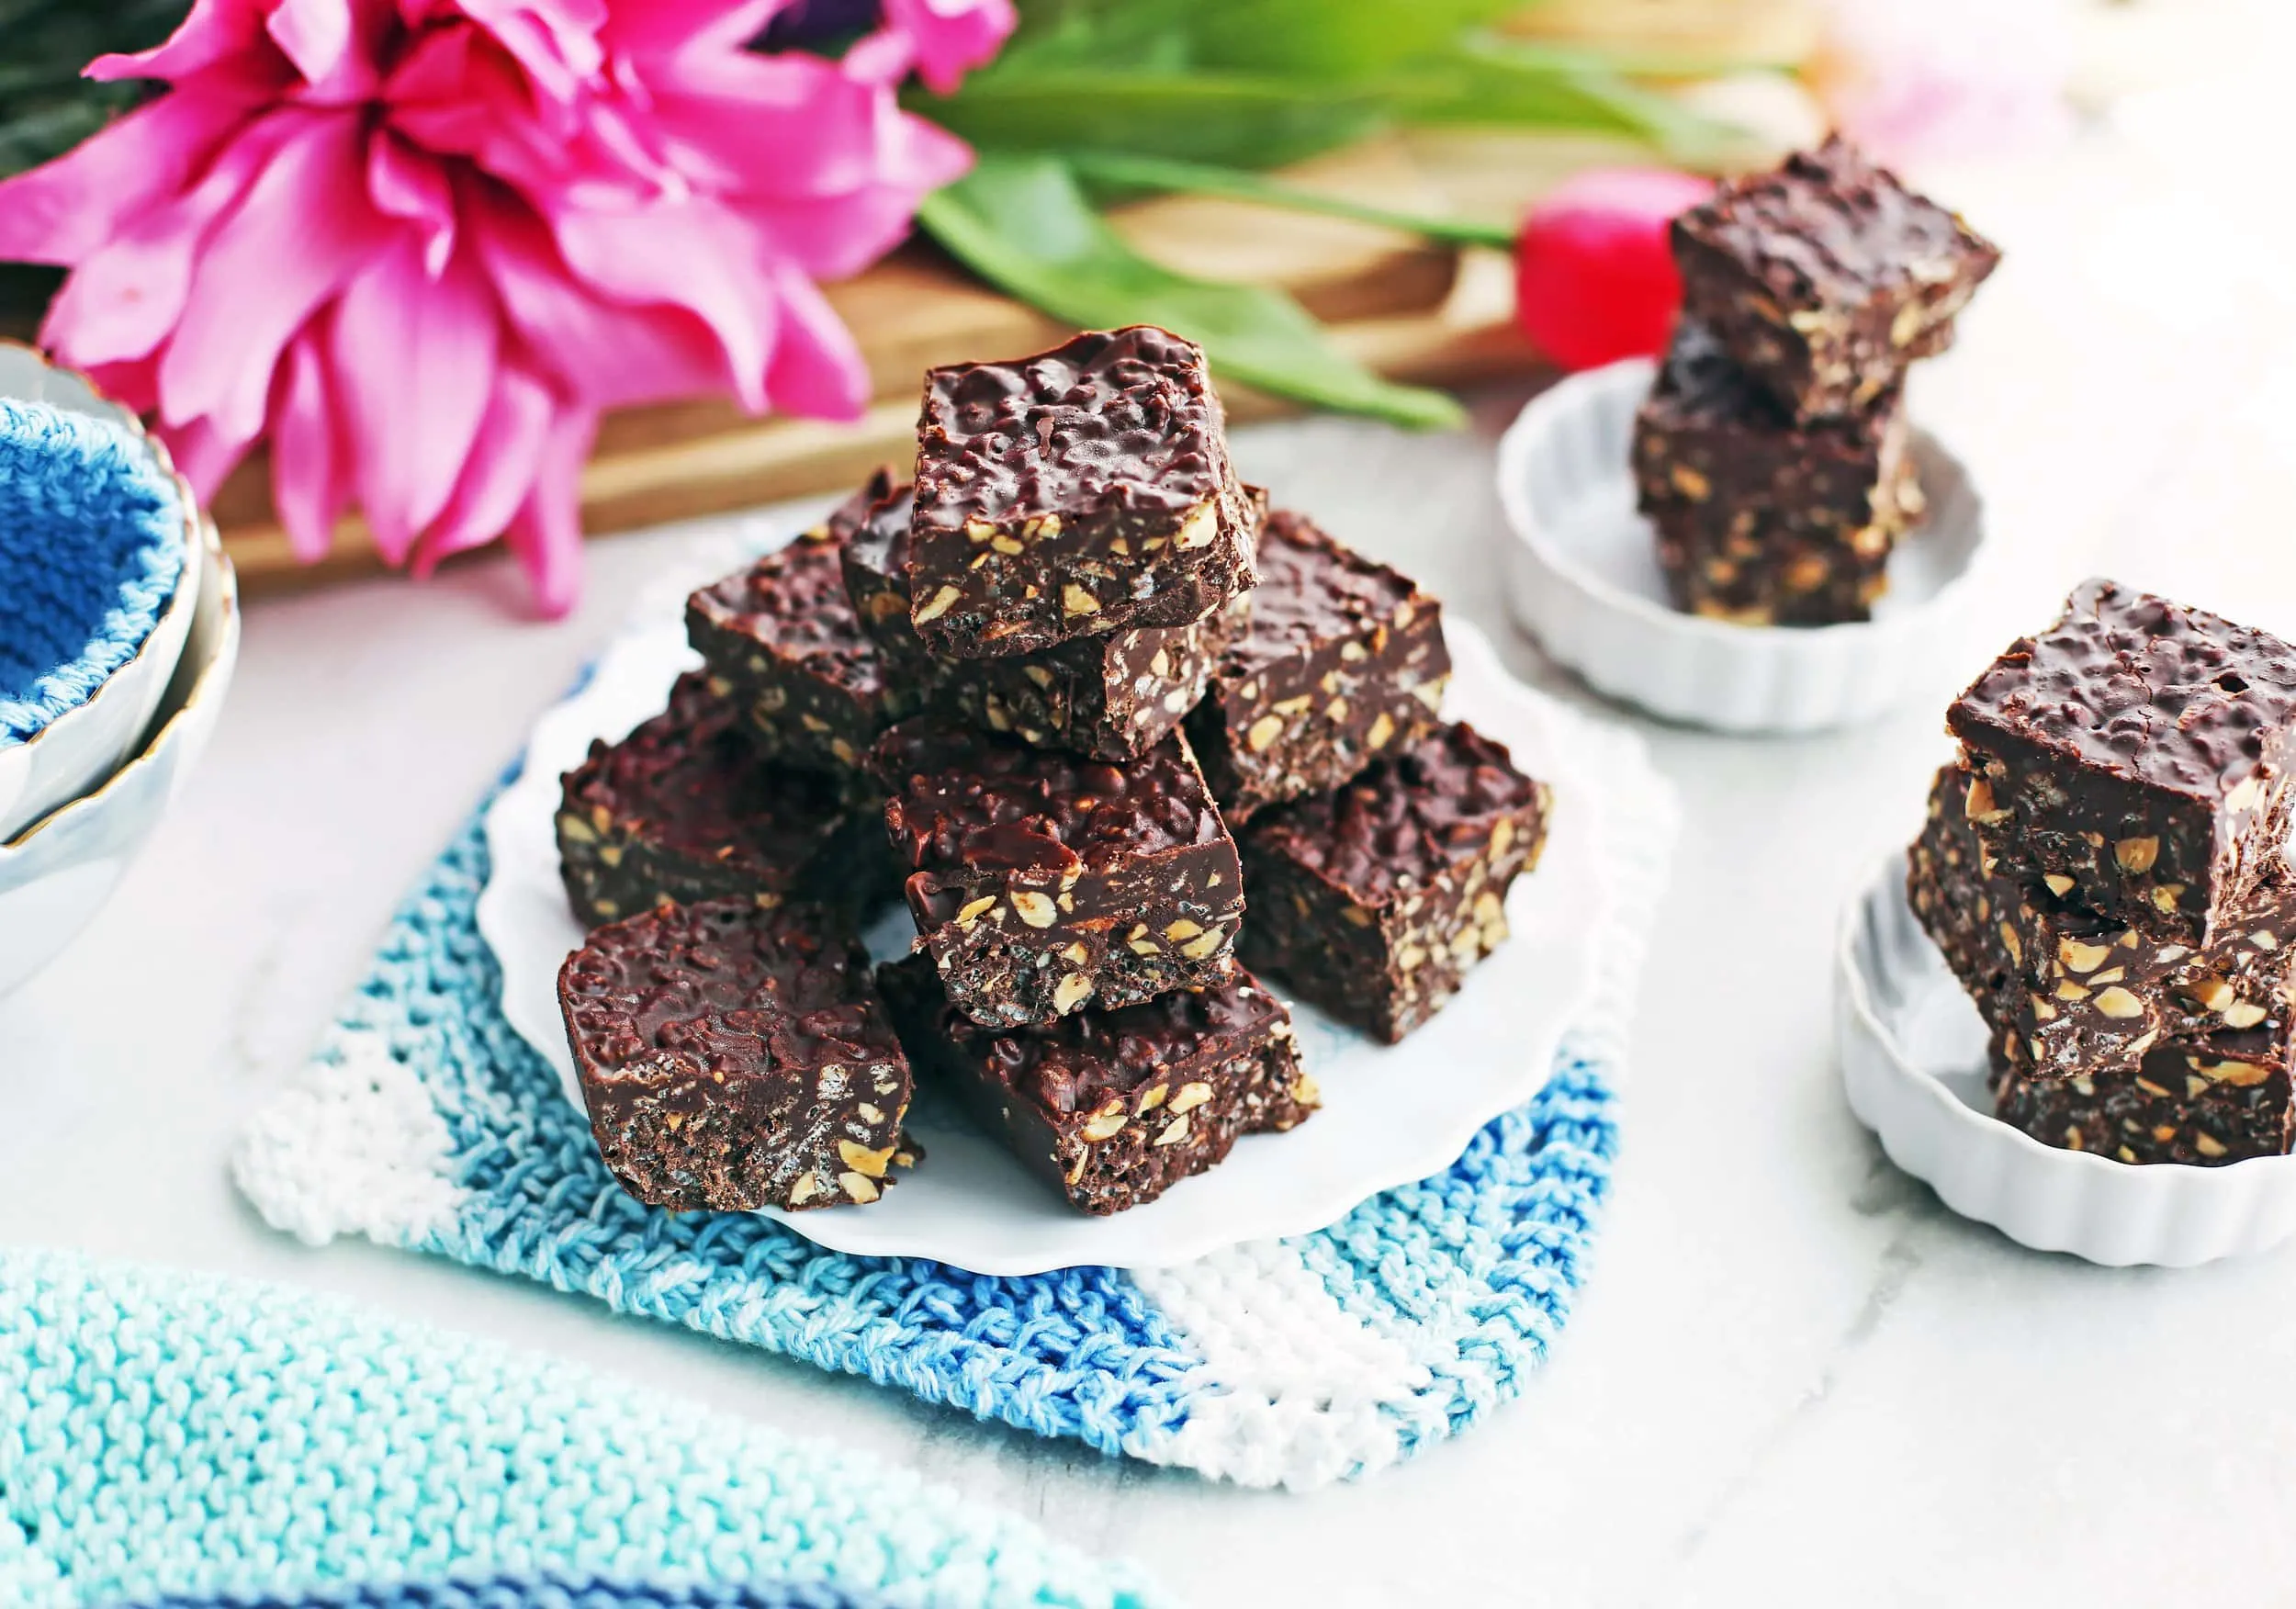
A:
{"x": 783, "y": 638}
{"x": 1717, "y": 456}
{"x": 1747, "y": 573}
{"x": 2098, "y": 995}
{"x": 2205, "y": 1099}
{"x": 2137, "y": 750}
{"x": 1114, "y": 1108}
{"x": 1969, "y": 911}
{"x": 683, "y": 810}
{"x": 734, "y": 1058}
{"x": 1375, "y": 900}
{"x": 1112, "y": 696}
{"x": 1825, "y": 277}
{"x": 1044, "y": 882}
{"x": 1344, "y": 659}
{"x": 1072, "y": 493}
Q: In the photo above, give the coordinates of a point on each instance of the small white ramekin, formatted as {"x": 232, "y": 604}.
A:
{"x": 1583, "y": 578}
{"x": 1913, "y": 1067}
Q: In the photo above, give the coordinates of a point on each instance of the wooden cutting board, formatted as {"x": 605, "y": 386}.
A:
{"x": 1412, "y": 311}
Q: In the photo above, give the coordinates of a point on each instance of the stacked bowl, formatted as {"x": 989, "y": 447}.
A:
{"x": 118, "y": 630}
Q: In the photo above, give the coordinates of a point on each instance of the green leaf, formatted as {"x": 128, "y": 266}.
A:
{"x": 1331, "y": 40}
{"x": 1255, "y": 84}
{"x": 1153, "y": 173}
{"x": 1194, "y": 117}
{"x": 1504, "y": 83}
{"x": 1023, "y": 224}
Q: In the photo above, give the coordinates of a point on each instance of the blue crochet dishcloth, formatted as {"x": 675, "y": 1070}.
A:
{"x": 91, "y": 549}
{"x": 193, "y": 1441}
{"x": 426, "y": 1121}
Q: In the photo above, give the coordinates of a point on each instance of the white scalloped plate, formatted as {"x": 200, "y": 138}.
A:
{"x": 1913, "y": 1067}
{"x": 1392, "y": 1114}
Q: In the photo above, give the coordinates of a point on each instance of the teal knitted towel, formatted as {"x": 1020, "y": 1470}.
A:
{"x": 195, "y": 1441}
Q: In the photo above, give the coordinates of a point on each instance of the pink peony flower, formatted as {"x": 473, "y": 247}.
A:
{"x": 422, "y": 244}
{"x": 1595, "y": 278}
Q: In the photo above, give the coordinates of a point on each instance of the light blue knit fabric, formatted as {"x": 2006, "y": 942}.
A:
{"x": 91, "y": 548}
{"x": 182, "y": 1440}
{"x": 540, "y": 1592}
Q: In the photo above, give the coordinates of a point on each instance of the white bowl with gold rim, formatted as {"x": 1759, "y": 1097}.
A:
{"x": 56, "y": 874}
{"x": 82, "y": 744}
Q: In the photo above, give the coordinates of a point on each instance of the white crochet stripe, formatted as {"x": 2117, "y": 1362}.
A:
{"x": 355, "y": 1147}
{"x": 1640, "y": 821}
{"x": 1293, "y": 1389}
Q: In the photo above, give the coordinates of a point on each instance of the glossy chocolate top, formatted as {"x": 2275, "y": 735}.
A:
{"x": 723, "y": 987}
{"x": 1313, "y": 588}
{"x": 2139, "y": 688}
{"x": 1829, "y": 225}
{"x": 963, "y": 798}
{"x": 1123, "y": 417}
{"x": 688, "y": 781}
{"x": 1701, "y": 386}
{"x": 1077, "y": 1063}
{"x": 793, "y": 599}
{"x": 1407, "y": 817}
{"x": 877, "y": 554}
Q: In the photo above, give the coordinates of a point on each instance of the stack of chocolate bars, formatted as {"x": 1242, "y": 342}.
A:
{"x": 2105, "y": 871}
{"x": 1096, "y": 696}
{"x": 1770, "y": 456}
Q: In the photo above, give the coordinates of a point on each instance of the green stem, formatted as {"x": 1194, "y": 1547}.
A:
{"x": 1158, "y": 173}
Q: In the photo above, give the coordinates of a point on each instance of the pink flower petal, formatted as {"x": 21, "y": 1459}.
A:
{"x": 412, "y": 362}
{"x": 301, "y": 229}
{"x": 548, "y": 533}
{"x": 127, "y": 296}
{"x": 774, "y": 126}
{"x": 555, "y": 44}
{"x": 203, "y": 454}
{"x": 222, "y": 43}
{"x": 61, "y": 212}
{"x": 134, "y": 384}
{"x": 886, "y": 57}
{"x": 837, "y": 236}
{"x": 608, "y": 354}
{"x": 500, "y": 474}
{"x": 406, "y": 183}
{"x": 690, "y": 255}
{"x": 665, "y": 30}
{"x": 311, "y": 477}
{"x": 315, "y": 35}
{"x": 951, "y": 36}
{"x": 817, "y": 367}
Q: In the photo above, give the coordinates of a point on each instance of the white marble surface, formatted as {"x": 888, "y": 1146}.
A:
{"x": 1794, "y": 1377}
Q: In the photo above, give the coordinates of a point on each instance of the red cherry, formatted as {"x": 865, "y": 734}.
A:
{"x": 1593, "y": 280}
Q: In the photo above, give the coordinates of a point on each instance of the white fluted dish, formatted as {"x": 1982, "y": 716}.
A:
{"x": 1913, "y": 1059}
{"x": 1583, "y": 579}
{"x": 57, "y": 875}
